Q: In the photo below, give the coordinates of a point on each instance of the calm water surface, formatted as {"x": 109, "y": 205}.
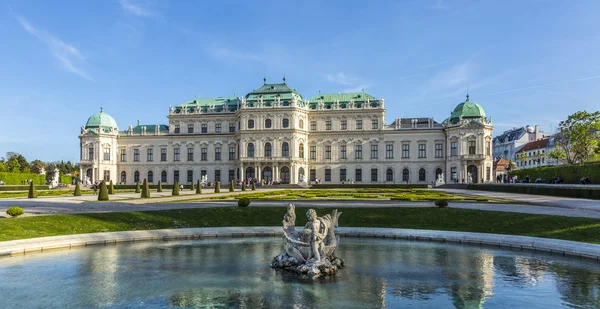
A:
{"x": 236, "y": 273}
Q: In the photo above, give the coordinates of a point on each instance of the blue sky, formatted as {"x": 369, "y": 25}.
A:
{"x": 526, "y": 62}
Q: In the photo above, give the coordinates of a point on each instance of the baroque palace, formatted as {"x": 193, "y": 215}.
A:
{"x": 274, "y": 134}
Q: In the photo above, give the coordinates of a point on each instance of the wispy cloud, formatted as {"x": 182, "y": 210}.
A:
{"x": 548, "y": 85}
{"x": 451, "y": 77}
{"x": 351, "y": 83}
{"x": 136, "y": 8}
{"x": 67, "y": 55}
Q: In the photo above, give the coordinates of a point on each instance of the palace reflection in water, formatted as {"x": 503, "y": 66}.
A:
{"x": 236, "y": 273}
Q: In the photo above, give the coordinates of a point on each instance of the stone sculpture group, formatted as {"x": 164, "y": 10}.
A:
{"x": 312, "y": 251}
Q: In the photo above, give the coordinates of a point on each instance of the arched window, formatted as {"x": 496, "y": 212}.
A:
{"x": 301, "y": 123}
{"x": 268, "y": 123}
{"x": 123, "y": 177}
{"x": 163, "y": 176}
{"x": 301, "y": 150}
{"x": 438, "y": 172}
{"x": 285, "y": 149}
{"x": 405, "y": 175}
{"x": 250, "y": 124}
{"x": 250, "y": 150}
{"x": 389, "y": 175}
{"x": 136, "y": 176}
{"x": 150, "y": 176}
{"x": 286, "y": 123}
{"x": 268, "y": 150}
{"x": 422, "y": 174}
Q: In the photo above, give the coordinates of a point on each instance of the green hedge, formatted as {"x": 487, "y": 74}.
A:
{"x": 23, "y": 188}
{"x": 378, "y": 186}
{"x": 18, "y": 178}
{"x": 570, "y": 173}
{"x": 551, "y": 190}
{"x": 152, "y": 187}
{"x": 67, "y": 180}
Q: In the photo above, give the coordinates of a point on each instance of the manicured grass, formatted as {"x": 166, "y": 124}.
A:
{"x": 568, "y": 228}
{"x": 13, "y": 194}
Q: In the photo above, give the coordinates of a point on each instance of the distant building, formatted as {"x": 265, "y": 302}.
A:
{"x": 536, "y": 154}
{"x": 500, "y": 166}
{"x": 508, "y": 143}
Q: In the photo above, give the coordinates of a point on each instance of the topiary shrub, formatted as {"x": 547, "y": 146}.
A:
{"x": 103, "y": 195}
{"x": 441, "y": 203}
{"x": 175, "y": 188}
{"x": 218, "y": 187}
{"x": 15, "y": 211}
{"x": 198, "y": 187}
{"x": 137, "y": 187}
{"x": 32, "y": 191}
{"x": 253, "y": 186}
{"x": 244, "y": 186}
{"x": 145, "y": 189}
{"x": 77, "y": 189}
{"x": 243, "y": 202}
{"x": 192, "y": 188}
{"x": 111, "y": 188}
{"x": 159, "y": 189}
{"x": 231, "y": 187}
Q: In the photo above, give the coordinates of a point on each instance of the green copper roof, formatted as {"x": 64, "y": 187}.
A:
{"x": 231, "y": 103}
{"x": 150, "y": 127}
{"x": 467, "y": 110}
{"x": 101, "y": 119}
{"x": 270, "y": 92}
{"x": 359, "y": 98}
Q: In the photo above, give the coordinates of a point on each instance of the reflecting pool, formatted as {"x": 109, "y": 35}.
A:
{"x": 235, "y": 273}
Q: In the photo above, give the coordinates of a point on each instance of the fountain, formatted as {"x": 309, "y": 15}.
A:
{"x": 311, "y": 252}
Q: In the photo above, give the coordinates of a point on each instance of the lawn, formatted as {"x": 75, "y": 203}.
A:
{"x": 568, "y": 228}
{"x": 12, "y": 194}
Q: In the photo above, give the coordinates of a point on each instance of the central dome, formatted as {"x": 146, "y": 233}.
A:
{"x": 467, "y": 110}
{"x": 101, "y": 119}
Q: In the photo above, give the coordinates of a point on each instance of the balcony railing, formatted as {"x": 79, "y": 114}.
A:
{"x": 472, "y": 157}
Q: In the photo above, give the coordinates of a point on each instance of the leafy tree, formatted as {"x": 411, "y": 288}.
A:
{"x": 2, "y": 166}
{"x": 13, "y": 165}
{"x": 20, "y": 158}
{"x": 578, "y": 136}
{"x": 557, "y": 154}
{"x": 36, "y": 166}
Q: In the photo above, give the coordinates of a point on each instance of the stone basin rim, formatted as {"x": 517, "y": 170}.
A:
{"x": 514, "y": 242}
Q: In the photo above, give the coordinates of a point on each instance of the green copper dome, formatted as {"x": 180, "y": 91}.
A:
{"x": 467, "y": 110}
{"x": 101, "y": 119}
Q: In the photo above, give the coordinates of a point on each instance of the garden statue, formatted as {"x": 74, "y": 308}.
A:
{"x": 311, "y": 252}
{"x": 469, "y": 178}
{"x": 440, "y": 180}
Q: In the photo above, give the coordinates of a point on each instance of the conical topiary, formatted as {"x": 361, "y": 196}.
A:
{"x": 231, "y": 188}
{"x": 218, "y": 187}
{"x": 103, "y": 195}
{"x": 198, "y": 187}
{"x": 146, "y": 189}
{"x": 159, "y": 187}
{"x": 77, "y": 189}
{"x": 32, "y": 191}
{"x": 175, "y": 188}
{"x": 137, "y": 187}
{"x": 111, "y": 188}
{"x": 243, "y": 186}
{"x": 192, "y": 187}
{"x": 253, "y": 186}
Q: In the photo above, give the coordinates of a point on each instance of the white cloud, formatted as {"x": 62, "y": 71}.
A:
{"x": 451, "y": 77}
{"x": 341, "y": 78}
{"x": 67, "y": 55}
{"x": 136, "y": 8}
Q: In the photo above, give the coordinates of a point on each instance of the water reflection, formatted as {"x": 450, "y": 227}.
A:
{"x": 235, "y": 274}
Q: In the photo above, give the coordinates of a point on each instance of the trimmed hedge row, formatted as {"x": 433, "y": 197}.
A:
{"x": 152, "y": 187}
{"x": 377, "y": 186}
{"x": 23, "y": 188}
{"x": 551, "y": 190}
{"x": 570, "y": 173}
{"x": 18, "y": 178}
{"x": 67, "y": 180}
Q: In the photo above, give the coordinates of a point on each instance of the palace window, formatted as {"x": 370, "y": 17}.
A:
{"x": 163, "y": 176}
{"x": 203, "y": 174}
{"x": 123, "y": 177}
{"x": 472, "y": 147}
{"x": 343, "y": 152}
{"x": 250, "y": 150}
{"x": 328, "y": 125}
{"x": 374, "y": 152}
{"x": 163, "y": 154}
{"x": 232, "y": 128}
{"x": 136, "y": 176}
{"x": 177, "y": 129}
{"x": 389, "y": 151}
{"x": 405, "y": 175}
{"x": 268, "y": 150}
{"x": 313, "y": 126}
{"x": 488, "y": 173}
{"x": 301, "y": 150}
{"x": 358, "y": 152}
{"x": 439, "y": 150}
{"x": 422, "y": 151}
{"x": 344, "y": 125}
{"x": 301, "y": 124}
{"x": 267, "y": 123}
{"x": 136, "y": 155}
{"x": 175, "y": 154}
{"x": 191, "y": 128}
{"x": 359, "y": 124}
{"x": 218, "y": 154}
{"x": 231, "y": 153}
{"x": 150, "y": 155}
{"x": 285, "y": 149}
{"x": 218, "y": 175}
{"x": 204, "y": 154}
{"x": 250, "y": 124}
{"x": 343, "y": 174}
{"x": 374, "y": 124}
{"x": 389, "y": 175}
{"x": 405, "y": 151}
{"x": 488, "y": 148}
{"x": 327, "y": 174}
{"x": 327, "y": 152}
{"x": 422, "y": 174}
{"x": 358, "y": 174}
{"x": 150, "y": 176}
{"x": 453, "y": 175}
{"x": 204, "y": 128}
{"x": 285, "y": 123}
{"x": 106, "y": 154}
{"x": 231, "y": 174}
{"x": 190, "y": 154}
{"x": 91, "y": 153}
{"x": 313, "y": 174}
{"x": 123, "y": 155}
{"x": 218, "y": 128}
{"x": 374, "y": 174}
{"x": 453, "y": 148}
{"x": 313, "y": 152}
{"x": 190, "y": 176}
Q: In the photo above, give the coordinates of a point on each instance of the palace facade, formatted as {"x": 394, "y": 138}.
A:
{"x": 273, "y": 133}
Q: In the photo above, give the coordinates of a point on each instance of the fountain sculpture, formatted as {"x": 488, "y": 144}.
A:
{"x": 312, "y": 251}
